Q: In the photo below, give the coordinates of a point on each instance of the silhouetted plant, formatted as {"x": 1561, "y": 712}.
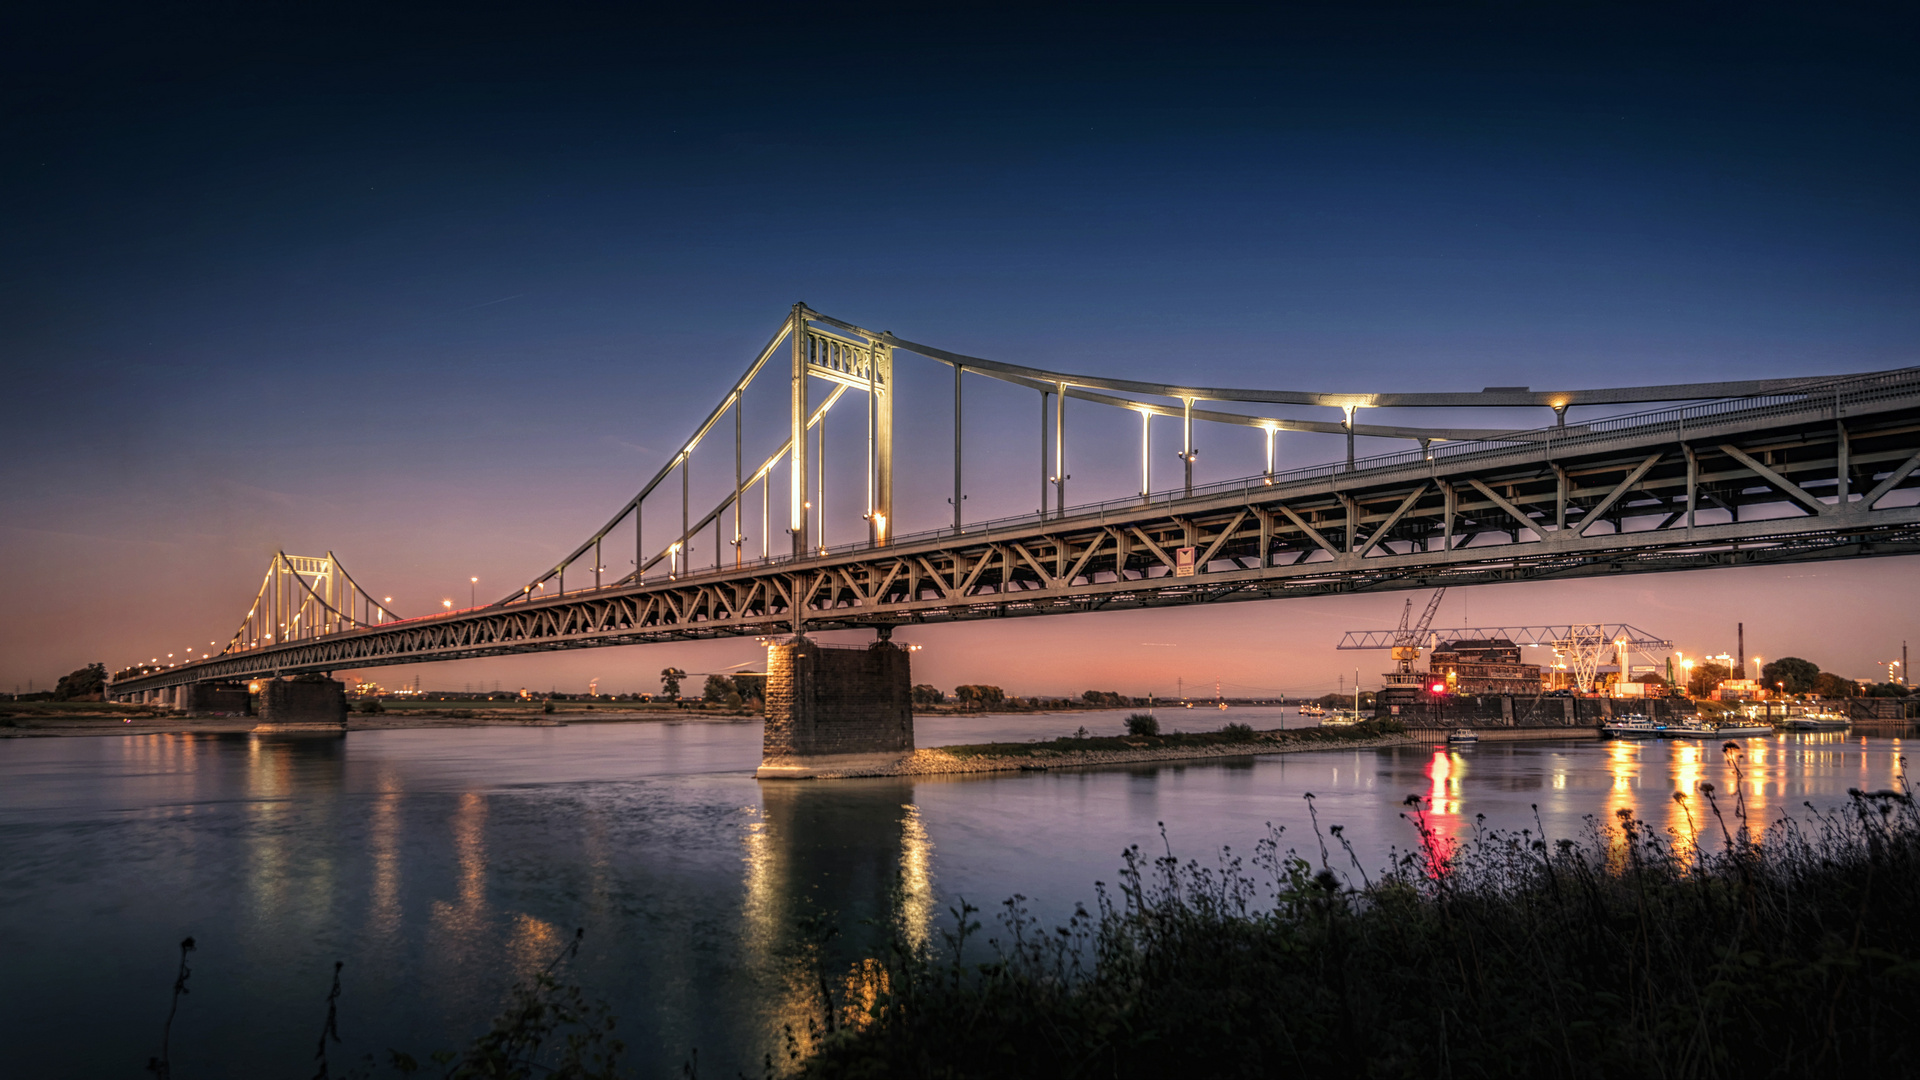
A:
{"x": 1143, "y": 724}
{"x": 330, "y": 1029}
{"x": 162, "y": 1066}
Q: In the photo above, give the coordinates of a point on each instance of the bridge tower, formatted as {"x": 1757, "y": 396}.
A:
{"x": 861, "y": 365}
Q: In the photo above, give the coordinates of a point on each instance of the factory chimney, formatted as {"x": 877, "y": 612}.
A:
{"x": 1740, "y": 652}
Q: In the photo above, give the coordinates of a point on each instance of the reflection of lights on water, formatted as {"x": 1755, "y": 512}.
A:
{"x": 1623, "y": 767}
{"x": 470, "y": 853}
{"x": 1446, "y": 771}
{"x": 916, "y": 878}
{"x": 383, "y": 841}
{"x": 867, "y": 983}
{"x": 766, "y": 920}
{"x": 533, "y": 944}
{"x": 1687, "y": 761}
{"x": 267, "y": 806}
{"x": 1622, "y": 758}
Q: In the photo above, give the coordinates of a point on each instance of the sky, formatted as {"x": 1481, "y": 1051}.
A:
{"x": 437, "y": 289}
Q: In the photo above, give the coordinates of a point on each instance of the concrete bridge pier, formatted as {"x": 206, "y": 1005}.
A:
{"x": 835, "y": 710}
{"x": 216, "y": 699}
{"x": 306, "y": 701}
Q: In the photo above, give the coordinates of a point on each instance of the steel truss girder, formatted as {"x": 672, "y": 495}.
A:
{"x": 1407, "y": 526}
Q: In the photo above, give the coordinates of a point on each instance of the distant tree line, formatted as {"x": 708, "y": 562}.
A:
{"x": 982, "y": 697}
{"x": 87, "y": 684}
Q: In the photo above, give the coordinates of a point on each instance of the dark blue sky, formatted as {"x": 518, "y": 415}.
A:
{"x": 438, "y": 289}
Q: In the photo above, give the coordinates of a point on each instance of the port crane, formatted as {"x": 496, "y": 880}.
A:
{"x": 1407, "y": 643}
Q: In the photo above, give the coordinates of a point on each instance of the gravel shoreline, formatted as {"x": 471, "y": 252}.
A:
{"x": 942, "y": 761}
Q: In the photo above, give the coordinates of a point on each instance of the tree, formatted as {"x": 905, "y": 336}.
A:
{"x": 986, "y": 697}
{"x": 925, "y": 695}
{"x": 717, "y": 689}
{"x": 1706, "y": 676}
{"x": 670, "y": 682}
{"x": 1792, "y": 674}
{"x": 87, "y": 684}
{"x": 979, "y": 697}
{"x": 1886, "y": 689}
{"x": 751, "y": 686}
{"x": 1108, "y": 698}
{"x": 1834, "y": 686}
{"x": 1143, "y": 724}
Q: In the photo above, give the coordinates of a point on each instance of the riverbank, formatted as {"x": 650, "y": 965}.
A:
{"x": 1493, "y": 954}
{"x": 141, "y": 720}
{"x": 1077, "y": 753}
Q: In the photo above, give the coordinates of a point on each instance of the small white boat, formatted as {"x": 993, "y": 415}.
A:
{"x": 1746, "y": 730}
{"x": 1339, "y": 718}
{"x": 1462, "y": 737}
{"x": 1630, "y": 727}
{"x": 1692, "y": 729}
{"x": 1815, "y": 722}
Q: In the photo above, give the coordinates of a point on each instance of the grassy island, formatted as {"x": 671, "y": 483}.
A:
{"x": 1144, "y": 744}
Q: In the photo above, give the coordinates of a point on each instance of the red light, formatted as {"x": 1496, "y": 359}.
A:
{"x": 1439, "y": 688}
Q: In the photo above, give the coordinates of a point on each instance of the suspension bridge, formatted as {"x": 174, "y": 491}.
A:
{"x": 1712, "y": 475}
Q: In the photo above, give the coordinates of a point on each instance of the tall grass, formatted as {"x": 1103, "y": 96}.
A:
{"x": 1788, "y": 951}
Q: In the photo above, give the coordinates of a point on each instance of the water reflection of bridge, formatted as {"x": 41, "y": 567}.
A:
{"x": 831, "y": 874}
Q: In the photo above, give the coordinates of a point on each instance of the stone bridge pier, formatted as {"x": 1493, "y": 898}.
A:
{"x": 305, "y": 700}
{"x": 836, "y": 709}
{"x": 215, "y": 699}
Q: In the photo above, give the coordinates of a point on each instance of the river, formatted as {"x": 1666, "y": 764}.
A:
{"x": 440, "y": 865}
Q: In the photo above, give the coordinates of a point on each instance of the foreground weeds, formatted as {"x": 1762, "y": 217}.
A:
{"x": 1789, "y": 953}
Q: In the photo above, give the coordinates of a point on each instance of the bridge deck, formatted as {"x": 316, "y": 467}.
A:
{"x": 1802, "y": 476}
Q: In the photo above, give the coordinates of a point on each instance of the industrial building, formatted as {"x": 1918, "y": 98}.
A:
{"x": 1483, "y": 666}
